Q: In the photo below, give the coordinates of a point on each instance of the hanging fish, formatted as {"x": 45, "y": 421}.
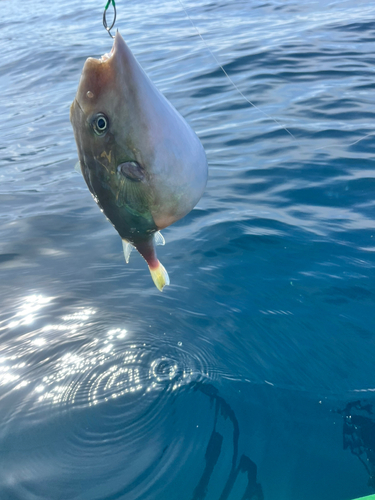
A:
{"x": 143, "y": 164}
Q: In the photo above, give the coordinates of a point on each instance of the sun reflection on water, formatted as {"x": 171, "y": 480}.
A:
{"x": 6, "y": 374}
{"x": 76, "y": 360}
{"x": 26, "y": 312}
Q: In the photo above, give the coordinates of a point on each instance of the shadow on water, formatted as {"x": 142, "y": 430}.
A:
{"x": 253, "y": 490}
{"x": 359, "y": 435}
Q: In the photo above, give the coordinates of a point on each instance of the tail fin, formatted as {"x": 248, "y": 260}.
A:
{"x": 159, "y": 276}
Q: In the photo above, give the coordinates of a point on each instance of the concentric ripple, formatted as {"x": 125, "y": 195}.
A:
{"x": 79, "y": 391}
{"x": 79, "y": 362}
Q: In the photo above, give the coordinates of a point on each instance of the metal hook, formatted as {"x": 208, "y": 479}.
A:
{"x": 105, "y": 24}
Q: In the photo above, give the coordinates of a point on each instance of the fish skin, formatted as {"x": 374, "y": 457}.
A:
{"x": 145, "y": 138}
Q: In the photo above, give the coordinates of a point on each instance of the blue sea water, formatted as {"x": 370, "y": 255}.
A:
{"x": 252, "y": 376}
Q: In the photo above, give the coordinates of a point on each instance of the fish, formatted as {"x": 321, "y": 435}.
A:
{"x": 142, "y": 162}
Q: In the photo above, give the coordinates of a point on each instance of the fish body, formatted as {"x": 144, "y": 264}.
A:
{"x": 143, "y": 164}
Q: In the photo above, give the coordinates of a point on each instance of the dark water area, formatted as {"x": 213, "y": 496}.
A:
{"x": 252, "y": 376}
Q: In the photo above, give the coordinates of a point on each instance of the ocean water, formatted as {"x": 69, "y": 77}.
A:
{"x": 252, "y": 376}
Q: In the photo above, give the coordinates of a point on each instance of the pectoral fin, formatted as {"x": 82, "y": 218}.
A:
{"x": 131, "y": 170}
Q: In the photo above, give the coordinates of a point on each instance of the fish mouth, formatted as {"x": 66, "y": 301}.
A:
{"x": 107, "y": 55}
{"x": 117, "y": 49}
{"x": 96, "y": 74}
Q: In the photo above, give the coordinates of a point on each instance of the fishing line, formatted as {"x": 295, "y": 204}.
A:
{"x": 251, "y": 103}
{"x": 348, "y": 145}
{"x": 230, "y": 79}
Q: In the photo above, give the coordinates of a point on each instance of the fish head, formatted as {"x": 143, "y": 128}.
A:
{"x": 104, "y": 123}
{"x": 102, "y": 98}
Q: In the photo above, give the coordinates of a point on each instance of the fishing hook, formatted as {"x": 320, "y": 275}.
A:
{"x": 105, "y": 24}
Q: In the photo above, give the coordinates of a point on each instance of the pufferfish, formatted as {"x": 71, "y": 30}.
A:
{"x": 142, "y": 162}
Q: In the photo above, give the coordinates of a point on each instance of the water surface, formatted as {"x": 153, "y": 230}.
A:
{"x": 252, "y": 375}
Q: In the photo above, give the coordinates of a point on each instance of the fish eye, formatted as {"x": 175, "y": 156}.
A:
{"x": 100, "y": 124}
